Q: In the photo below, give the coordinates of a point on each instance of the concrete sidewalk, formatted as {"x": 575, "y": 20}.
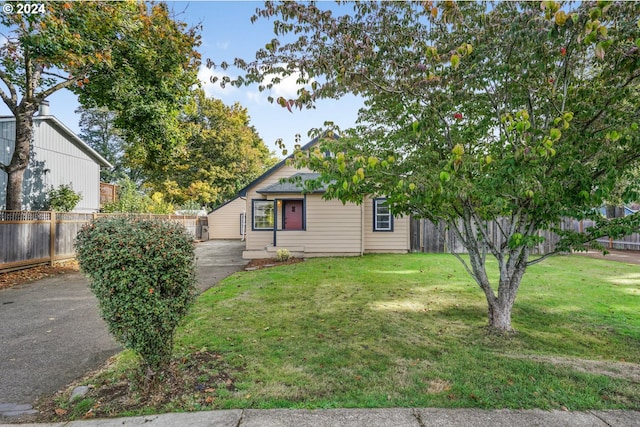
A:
{"x": 395, "y": 417}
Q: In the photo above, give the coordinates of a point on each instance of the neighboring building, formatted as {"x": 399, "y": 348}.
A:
{"x": 613, "y": 211}
{"x": 228, "y": 220}
{"x": 279, "y": 215}
{"x": 58, "y": 156}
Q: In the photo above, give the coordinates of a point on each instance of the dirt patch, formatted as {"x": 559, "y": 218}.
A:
{"x": 630, "y": 257}
{"x": 31, "y": 274}
{"x": 258, "y": 264}
{"x": 620, "y": 370}
{"x": 438, "y": 386}
{"x": 191, "y": 383}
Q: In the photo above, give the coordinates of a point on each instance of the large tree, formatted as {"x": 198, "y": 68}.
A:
{"x": 525, "y": 112}
{"x": 131, "y": 57}
{"x": 222, "y": 154}
{"x": 98, "y": 130}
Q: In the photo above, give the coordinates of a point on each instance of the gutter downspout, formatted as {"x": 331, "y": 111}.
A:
{"x": 362, "y": 227}
{"x": 275, "y": 222}
{"x": 243, "y": 226}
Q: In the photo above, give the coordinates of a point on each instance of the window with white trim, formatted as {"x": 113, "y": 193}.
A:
{"x": 382, "y": 218}
{"x": 263, "y": 215}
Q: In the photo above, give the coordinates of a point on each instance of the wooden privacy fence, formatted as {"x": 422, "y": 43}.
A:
{"x": 30, "y": 238}
{"x": 429, "y": 237}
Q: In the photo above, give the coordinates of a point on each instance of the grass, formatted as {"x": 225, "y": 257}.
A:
{"x": 409, "y": 331}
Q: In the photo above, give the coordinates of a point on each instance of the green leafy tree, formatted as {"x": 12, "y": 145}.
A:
{"x": 222, "y": 154}
{"x": 155, "y": 68}
{"x": 131, "y": 199}
{"x": 114, "y": 54}
{"x": 526, "y": 112}
{"x": 62, "y": 198}
{"x": 98, "y": 130}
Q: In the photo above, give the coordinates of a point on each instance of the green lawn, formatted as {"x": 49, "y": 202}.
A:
{"x": 398, "y": 331}
{"x": 409, "y": 330}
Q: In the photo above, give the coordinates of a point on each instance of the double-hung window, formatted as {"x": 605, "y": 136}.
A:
{"x": 382, "y": 218}
{"x": 263, "y": 215}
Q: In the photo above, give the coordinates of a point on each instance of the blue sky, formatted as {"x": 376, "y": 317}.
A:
{"x": 228, "y": 33}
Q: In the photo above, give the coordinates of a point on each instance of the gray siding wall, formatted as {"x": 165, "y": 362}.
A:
{"x": 55, "y": 160}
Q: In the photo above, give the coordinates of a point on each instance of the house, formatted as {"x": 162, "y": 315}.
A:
{"x": 280, "y": 215}
{"x": 58, "y": 156}
{"x": 228, "y": 220}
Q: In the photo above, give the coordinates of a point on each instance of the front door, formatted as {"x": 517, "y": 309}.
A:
{"x": 292, "y": 214}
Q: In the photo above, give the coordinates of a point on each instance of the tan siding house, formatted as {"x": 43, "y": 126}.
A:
{"x": 280, "y": 215}
{"x": 226, "y": 222}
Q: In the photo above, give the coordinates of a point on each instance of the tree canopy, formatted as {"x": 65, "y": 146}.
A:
{"x": 131, "y": 57}
{"x": 98, "y": 130}
{"x": 222, "y": 154}
{"x": 525, "y": 112}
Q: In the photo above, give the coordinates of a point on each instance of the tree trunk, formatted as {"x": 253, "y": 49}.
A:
{"x": 512, "y": 263}
{"x": 20, "y": 159}
{"x": 511, "y": 273}
{"x": 500, "y": 317}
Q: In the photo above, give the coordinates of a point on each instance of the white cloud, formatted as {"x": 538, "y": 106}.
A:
{"x": 257, "y": 97}
{"x": 222, "y": 45}
{"x": 206, "y": 74}
{"x": 287, "y": 87}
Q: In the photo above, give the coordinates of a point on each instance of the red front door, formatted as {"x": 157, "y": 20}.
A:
{"x": 292, "y": 214}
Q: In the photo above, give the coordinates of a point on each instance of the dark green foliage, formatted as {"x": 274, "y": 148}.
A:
{"x": 142, "y": 272}
{"x": 62, "y": 198}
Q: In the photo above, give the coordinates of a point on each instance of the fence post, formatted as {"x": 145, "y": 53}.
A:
{"x": 52, "y": 238}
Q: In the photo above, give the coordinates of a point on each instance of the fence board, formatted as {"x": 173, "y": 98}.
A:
{"x": 436, "y": 240}
{"x": 25, "y": 237}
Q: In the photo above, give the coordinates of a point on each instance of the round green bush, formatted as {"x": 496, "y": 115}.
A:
{"x": 142, "y": 272}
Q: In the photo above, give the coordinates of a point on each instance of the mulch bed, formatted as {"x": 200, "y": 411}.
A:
{"x": 258, "y": 264}
{"x": 31, "y": 274}
{"x": 192, "y": 382}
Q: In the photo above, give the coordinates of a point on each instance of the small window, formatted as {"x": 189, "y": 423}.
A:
{"x": 263, "y": 215}
{"x": 382, "y": 218}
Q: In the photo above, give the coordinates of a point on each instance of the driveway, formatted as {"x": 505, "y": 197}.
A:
{"x": 217, "y": 259}
{"x": 629, "y": 257}
{"x": 51, "y": 332}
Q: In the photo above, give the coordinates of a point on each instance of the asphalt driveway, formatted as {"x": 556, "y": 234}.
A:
{"x": 51, "y": 332}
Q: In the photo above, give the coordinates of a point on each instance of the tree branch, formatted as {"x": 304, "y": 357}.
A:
{"x": 488, "y": 242}
{"x": 542, "y": 258}
{"x": 47, "y": 73}
{"x": 47, "y": 92}
{"x": 459, "y": 236}
{"x": 11, "y": 102}
{"x": 606, "y": 105}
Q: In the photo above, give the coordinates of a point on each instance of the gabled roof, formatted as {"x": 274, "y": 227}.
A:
{"x": 71, "y": 136}
{"x": 243, "y": 192}
{"x": 292, "y": 187}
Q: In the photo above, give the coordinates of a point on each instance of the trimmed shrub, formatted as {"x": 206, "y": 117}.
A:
{"x": 143, "y": 274}
{"x": 283, "y": 255}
